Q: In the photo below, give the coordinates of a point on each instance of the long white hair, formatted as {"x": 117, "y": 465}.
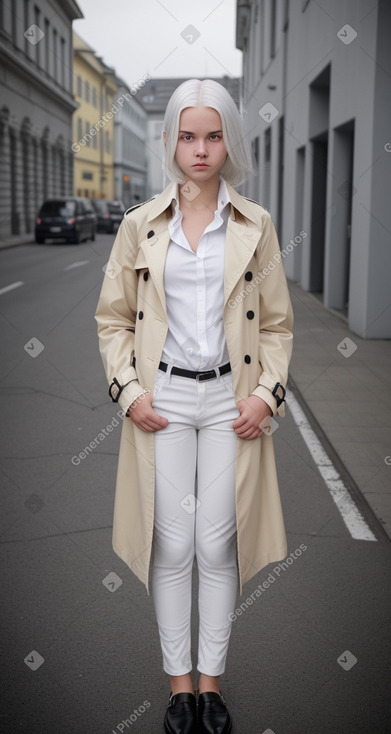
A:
{"x": 208, "y": 93}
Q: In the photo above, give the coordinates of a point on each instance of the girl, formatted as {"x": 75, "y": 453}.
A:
{"x": 195, "y": 332}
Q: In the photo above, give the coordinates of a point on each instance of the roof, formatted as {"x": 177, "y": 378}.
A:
{"x": 157, "y": 92}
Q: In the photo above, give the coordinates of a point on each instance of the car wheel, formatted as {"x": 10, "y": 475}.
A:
{"x": 40, "y": 240}
{"x": 93, "y": 236}
{"x": 76, "y": 238}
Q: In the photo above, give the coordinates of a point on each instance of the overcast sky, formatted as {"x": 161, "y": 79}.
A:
{"x": 140, "y": 37}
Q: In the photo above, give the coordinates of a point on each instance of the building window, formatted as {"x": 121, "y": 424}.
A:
{"x": 79, "y": 86}
{"x": 37, "y": 22}
{"x": 79, "y": 128}
{"x": 94, "y": 142}
{"x": 63, "y": 62}
{"x": 55, "y": 54}
{"x": 87, "y": 175}
{"x": 87, "y": 91}
{"x": 47, "y": 60}
{"x": 94, "y": 97}
{"x": 273, "y": 30}
{"x": 26, "y": 25}
{"x": 87, "y": 133}
{"x": 107, "y": 142}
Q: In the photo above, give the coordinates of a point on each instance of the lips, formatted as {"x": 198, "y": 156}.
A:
{"x": 200, "y": 165}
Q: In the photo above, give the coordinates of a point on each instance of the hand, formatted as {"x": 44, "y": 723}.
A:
{"x": 144, "y": 416}
{"x": 253, "y": 411}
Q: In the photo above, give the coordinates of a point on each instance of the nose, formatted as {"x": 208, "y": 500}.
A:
{"x": 201, "y": 148}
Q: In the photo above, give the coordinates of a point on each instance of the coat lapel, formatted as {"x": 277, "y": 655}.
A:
{"x": 243, "y": 235}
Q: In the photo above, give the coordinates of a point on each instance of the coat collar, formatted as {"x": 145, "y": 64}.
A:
{"x": 164, "y": 200}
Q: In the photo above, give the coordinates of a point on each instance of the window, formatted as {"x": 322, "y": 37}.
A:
{"x": 87, "y": 175}
{"x": 47, "y": 60}
{"x": 63, "y": 62}
{"x": 55, "y": 54}
{"x": 37, "y": 21}
{"x": 79, "y": 85}
{"x": 94, "y": 141}
{"x": 87, "y": 91}
{"x": 87, "y": 133}
{"x": 79, "y": 128}
{"x": 107, "y": 142}
{"x": 94, "y": 97}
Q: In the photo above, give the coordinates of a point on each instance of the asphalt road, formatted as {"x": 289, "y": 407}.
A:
{"x": 310, "y": 649}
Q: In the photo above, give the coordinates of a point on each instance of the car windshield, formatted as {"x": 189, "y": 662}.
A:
{"x": 58, "y": 209}
{"x": 115, "y": 207}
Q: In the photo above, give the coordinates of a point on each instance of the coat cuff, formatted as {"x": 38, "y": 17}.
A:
{"x": 131, "y": 392}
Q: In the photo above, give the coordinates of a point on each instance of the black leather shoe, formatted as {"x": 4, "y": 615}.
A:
{"x": 213, "y": 716}
{"x": 181, "y": 714}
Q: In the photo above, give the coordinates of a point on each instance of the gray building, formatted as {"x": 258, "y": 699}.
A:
{"x": 316, "y": 91}
{"x": 36, "y": 61}
{"x": 130, "y": 153}
{"x": 154, "y": 99}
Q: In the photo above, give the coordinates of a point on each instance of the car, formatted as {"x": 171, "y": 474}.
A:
{"x": 110, "y": 213}
{"x": 66, "y": 217}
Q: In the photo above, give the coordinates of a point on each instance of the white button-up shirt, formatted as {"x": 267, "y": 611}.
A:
{"x": 194, "y": 287}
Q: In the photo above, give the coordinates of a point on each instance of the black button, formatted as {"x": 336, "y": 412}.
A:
{"x": 250, "y": 314}
{"x": 145, "y": 276}
{"x": 140, "y": 314}
{"x": 247, "y": 358}
{"x": 150, "y": 234}
{"x": 248, "y": 275}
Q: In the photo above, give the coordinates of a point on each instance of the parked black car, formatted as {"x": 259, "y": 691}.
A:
{"x": 69, "y": 217}
{"x": 110, "y": 214}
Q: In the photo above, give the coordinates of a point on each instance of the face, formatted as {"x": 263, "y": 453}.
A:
{"x": 200, "y": 151}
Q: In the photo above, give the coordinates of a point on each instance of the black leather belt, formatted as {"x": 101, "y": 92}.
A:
{"x": 200, "y": 376}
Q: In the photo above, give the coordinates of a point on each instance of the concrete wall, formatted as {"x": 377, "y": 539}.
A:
{"x": 328, "y": 172}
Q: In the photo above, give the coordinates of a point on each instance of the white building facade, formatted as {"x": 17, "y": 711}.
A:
{"x": 316, "y": 95}
{"x": 130, "y": 152}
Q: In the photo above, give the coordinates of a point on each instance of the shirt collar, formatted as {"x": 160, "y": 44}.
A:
{"x": 222, "y": 210}
{"x": 165, "y": 199}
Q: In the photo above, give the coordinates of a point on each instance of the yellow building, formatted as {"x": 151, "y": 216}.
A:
{"x": 93, "y": 123}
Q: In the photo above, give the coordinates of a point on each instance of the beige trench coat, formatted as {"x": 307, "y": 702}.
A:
{"x": 132, "y": 322}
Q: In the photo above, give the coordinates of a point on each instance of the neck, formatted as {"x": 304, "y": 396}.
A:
{"x": 207, "y": 196}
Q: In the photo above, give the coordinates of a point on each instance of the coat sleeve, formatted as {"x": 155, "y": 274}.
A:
{"x": 276, "y": 317}
{"x": 116, "y": 313}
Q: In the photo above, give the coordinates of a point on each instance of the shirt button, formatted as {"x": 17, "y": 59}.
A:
{"x": 141, "y": 315}
{"x": 150, "y": 234}
{"x": 250, "y": 314}
{"x": 247, "y": 358}
{"x": 145, "y": 276}
{"x": 248, "y": 275}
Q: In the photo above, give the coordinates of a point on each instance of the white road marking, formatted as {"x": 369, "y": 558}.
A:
{"x": 350, "y": 514}
{"x": 77, "y": 264}
{"x": 10, "y": 287}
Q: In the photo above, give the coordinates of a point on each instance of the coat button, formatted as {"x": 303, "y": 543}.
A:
{"x": 145, "y": 276}
{"x": 248, "y": 275}
{"x": 150, "y": 234}
{"x": 250, "y": 314}
{"x": 141, "y": 314}
{"x": 247, "y": 358}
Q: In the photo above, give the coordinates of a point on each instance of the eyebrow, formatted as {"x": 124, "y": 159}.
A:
{"x": 188, "y": 132}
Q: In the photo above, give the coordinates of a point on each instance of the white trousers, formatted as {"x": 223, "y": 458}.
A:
{"x": 194, "y": 516}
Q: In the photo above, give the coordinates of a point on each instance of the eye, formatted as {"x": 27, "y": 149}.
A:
{"x": 186, "y": 137}
{"x": 215, "y": 136}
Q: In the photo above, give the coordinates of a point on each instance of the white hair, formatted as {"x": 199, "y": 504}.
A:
{"x": 208, "y": 93}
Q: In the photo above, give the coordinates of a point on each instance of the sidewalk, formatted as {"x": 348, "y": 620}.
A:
{"x": 14, "y": 240}
{"x": 349, "y": 396}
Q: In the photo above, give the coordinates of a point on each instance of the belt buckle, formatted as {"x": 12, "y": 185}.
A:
{"x": 201, "y": 377}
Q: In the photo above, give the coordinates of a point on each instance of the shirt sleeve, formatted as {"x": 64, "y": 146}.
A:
{"x": 276, "y": 318}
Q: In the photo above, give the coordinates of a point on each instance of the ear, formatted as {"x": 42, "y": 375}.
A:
{"x": 164, "y": 137}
